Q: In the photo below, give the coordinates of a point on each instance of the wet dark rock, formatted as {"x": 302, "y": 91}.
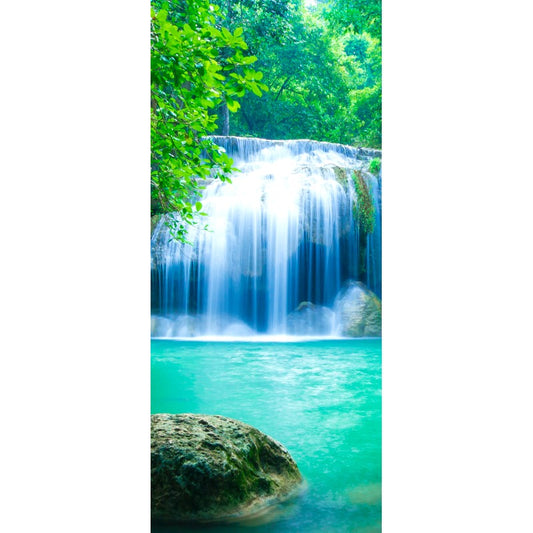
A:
{"x": 210, "y": 468}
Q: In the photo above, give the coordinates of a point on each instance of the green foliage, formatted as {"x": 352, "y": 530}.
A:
{"x": 195, "y": 66}
{"x": 355, "y": 15}
{"x": 364, "y": 209}
{"x": 366, "y": 115}
{"x": 375, "y": 165}
{"x": 307, "y": 78}
{"x": 263, "y": 21}
{"x": 365, "y": 100}
{"x": 324, "y": 78}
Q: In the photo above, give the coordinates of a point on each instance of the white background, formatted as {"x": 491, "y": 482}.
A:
{"x": 74, "y": 381}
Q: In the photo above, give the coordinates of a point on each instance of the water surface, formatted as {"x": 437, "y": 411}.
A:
{"x": 320, "y": 399}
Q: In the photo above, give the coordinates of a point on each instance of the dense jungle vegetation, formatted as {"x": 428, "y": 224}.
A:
{"x": 277, "y": 69}
{"x": 322, "y": 67}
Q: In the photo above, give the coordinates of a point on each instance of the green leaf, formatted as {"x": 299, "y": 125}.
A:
{"x": 248, "y": 60}
{"x": 233, "y": 105}
{"x": 255, "y": 89}
{"x": 227, "y": 34}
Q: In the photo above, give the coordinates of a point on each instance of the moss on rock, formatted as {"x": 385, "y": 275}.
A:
{"x": 364, "y": 208}
{"x": 209, "y": 467}
{"x": 341, "y": 175}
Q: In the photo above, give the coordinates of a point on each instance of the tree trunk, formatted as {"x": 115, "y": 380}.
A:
{"x": 282, "y": 87}
{"x": 225, "y": 118}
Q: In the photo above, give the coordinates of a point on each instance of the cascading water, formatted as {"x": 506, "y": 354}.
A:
{"x": 372, "y": 275}
{"x": 283, "y": 238}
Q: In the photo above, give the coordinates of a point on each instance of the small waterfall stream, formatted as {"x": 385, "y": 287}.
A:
{"x": 283, "y": 238}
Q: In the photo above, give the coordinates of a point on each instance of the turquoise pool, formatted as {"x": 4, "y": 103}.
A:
{"x": 320, "y": 399}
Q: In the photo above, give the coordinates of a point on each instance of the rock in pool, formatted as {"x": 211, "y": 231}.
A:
{"x": 358, "y": 311}
{"x": 210, "y": 468}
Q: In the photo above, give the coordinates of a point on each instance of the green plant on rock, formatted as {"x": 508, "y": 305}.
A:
{"x": 195, "y": 66}
{"x": 341, "y": 176}
{"x": 375, "y": 166}
{"x": 364, "y": 208}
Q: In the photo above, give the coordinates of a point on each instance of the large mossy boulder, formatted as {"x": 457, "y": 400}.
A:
{"x": 210, "y": 468}
{"x": 358, "y": 311}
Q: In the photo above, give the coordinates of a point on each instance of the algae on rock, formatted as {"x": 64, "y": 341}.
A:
{"x": 209, "y": 468}
{"x": 364, "y": 208}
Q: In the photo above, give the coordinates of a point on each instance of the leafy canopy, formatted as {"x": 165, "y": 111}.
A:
{"x": 322, "y": 67}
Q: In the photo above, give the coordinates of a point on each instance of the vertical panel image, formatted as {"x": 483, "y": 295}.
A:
{"x": 266, "y": 293}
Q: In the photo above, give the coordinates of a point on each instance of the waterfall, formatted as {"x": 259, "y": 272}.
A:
{"x": 282, "y": 239}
